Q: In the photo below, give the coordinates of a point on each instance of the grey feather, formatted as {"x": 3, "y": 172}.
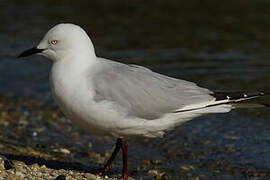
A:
{"x": 142, "y": 92}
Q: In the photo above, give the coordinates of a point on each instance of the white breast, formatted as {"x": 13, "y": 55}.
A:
{"x": 71, "y": 92}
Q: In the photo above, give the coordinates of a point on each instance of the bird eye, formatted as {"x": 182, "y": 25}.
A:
{"x": 53, "y": 42}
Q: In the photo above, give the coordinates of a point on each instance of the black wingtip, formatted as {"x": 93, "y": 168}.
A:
{"x": 237, "y": 95}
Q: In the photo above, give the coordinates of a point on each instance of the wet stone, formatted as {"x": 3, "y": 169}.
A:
{"x": 20, "y": 174}
{"x": 8, "y": 164}
{"x": 156, "y": 162}
{"x": 60, "y": 177}
{"x": 146, "y": 162}
{"x": 65, "y": 151}
{"x": 90, "y": 176}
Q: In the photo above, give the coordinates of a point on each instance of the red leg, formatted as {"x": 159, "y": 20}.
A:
{"x": 108, "y": 165}
{"x": 124, "y": 148}
{"x": 120, "y": 143}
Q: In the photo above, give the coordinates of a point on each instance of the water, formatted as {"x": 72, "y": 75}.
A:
{"x": 219, "y": 45}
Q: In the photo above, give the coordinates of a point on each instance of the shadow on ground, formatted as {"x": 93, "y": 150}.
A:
{"x": 52, "y": 164}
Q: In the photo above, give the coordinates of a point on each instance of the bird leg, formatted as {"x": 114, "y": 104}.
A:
{"x": 124, "y": 148}
{"x": 108, "y": 165}
{"x": 120, "y": 143}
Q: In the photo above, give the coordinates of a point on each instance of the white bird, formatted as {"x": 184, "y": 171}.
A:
{"x": 109, "y": 98}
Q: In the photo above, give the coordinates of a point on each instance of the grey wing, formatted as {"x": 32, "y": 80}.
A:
{"x": 144, "y": 93}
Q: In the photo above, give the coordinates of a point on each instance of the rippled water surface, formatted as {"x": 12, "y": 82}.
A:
{"x": 219, "y": 45}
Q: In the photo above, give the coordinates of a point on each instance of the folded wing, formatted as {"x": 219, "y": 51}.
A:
{"x": 144, "y": 93}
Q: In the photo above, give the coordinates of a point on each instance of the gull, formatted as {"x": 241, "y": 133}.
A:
{"x": 109, "y": 98}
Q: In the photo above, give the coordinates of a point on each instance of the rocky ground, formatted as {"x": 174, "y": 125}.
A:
{"x": 17, "y": 170}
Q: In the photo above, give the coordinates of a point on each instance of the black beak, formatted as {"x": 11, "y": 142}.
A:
{"x": 29, "y": 52}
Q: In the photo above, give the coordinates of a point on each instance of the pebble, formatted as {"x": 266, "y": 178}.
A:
{"x": 153, "y": 172}
{"x": 8, "y": 164}
{"x": 146, "y": 162}
{"x": 35, "y": 133}
{"x": 93, "y": 155}
{"x": 90, "y": 176}
{"x": 130, "y": 178}
{"x": 65, "y": 151}
{"x": 156, "y": 173}
{"x": 20, "y": 174}
{"x": 186, "y": 167}
{"x": 60, "y": 177}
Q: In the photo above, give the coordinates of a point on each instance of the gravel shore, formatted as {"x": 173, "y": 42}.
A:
{"x": 18, "y": 170}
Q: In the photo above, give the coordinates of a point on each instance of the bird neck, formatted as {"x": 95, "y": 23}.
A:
{"x": 77, "y": 62}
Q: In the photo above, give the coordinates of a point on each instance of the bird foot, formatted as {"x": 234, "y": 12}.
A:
{"x": 101, "y": 171}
